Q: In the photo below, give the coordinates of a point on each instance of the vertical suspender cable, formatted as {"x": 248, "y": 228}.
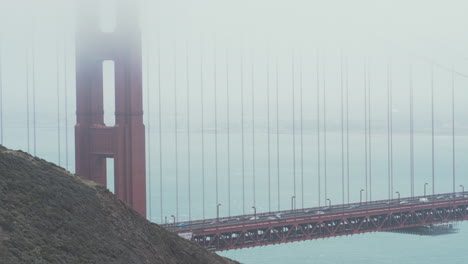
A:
{"x": 202, "y": 134}
{"x": 342, "y": 136}
{"x": 411, "y": 133}
{"x": 365, "y": 130}
{"x": 453, "y": 127}
{"x": 189, "y": 176}
{"x": 302, "y": 133}
{"x": 369, "y": 130}
{"x": 432, "y": 128}
{"x": 391, "y": 133}
{"x": 318, "y": 134}
{"x": 58, "y": 104}
{"x": 293, "y": 127}
{"x": 33, "y": 65}
{"x": 216, "y": 123}
{"x": 268, "y": 134}
{"x": 277, "y": 137}
{"x": 65, "y": 99}
{"x": 176, "y": 145}
{"x": 388, "y": 133}
{"x": 347, "y": 128}
{"x": 161, "y": 203}
{"x": 242, "y": 132}
{"x": 27, "y": 104}
{"x": 228, "y": 132}
{"x": 253, "y": 136}
{"x": 325, "y": 132}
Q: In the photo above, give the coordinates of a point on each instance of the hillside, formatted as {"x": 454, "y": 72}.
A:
{"x": 48, "y": 215}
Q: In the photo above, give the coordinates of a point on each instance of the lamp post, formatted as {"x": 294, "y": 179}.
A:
{"x": 360, "y": 196}
{"x": 165, "y": 219}
{"x": 217, "y": 212}
{"x": 255, "y": 212}
{"x": 329, "y": 202}
{"x": 293, "y": 199}
{"x": 463, "y": 188}
{"x": 173, "y": 217}
{"x": 425, "y": 184}
{"x": 398, "y": 196}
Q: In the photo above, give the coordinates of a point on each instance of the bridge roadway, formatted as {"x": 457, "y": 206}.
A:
{"x": 327, "y": 221}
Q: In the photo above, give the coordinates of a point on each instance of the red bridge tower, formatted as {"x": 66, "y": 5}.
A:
{"x": 124, "y": 142}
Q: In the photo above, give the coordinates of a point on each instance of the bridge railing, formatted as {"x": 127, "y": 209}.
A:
{"x": 389, "y": 202}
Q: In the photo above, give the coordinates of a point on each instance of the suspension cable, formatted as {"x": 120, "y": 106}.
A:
{"x": 391, "y": 133}
{"x": 268, "y": 133}
{"x": 453, "y": 127}
{"x": 58, "y": 103}
{"x": 388, "y": 133}
{"x": 189, "y": 176}
{"x": 33, "y": 84}
{"x": 302, "y": 132}
{"x": 318, "y": 133}
{"x": 347, "y": 127}
{"x": 228, "y": 132}
{"x": 216, "y": 122}
{"x": 432, "y": 129}
{"x": 176, "y": 142}
{"x": 65, "y": 99}
{"x": 202, "y": 103}
{"x": 411, "y": 132}
{"x": 342, "y": 136}
{"x": 277, "y": 136}
{"x": 369, "y": 129}
{"x": 242, "y": 132}
{"x": 325, "y": 131}
{"x": 27, "y": 104}
{"x": 253, "y": 135}
{"x": 161, "y": 204}
{"x": 365, "y": 131}
{"x": 293, "y": 127}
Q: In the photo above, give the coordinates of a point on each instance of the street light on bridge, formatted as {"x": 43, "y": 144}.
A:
{"x": 425, "y": 184}
{"x": 255, "y": 212}
{"x": 398, "y": 196}
{"x": 360, "y": 196}
{"x": 463, "y": 188}
{"x": 173, "y": 221}
{"x": 329, "y": 202}
{"x": 293, "y": 200}
{"x": 217, "y": 212}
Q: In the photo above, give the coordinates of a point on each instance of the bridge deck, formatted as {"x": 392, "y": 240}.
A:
{"x": 303, "y": 224}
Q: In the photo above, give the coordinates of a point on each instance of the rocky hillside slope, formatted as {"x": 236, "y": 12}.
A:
{"x": 48, "y": 215}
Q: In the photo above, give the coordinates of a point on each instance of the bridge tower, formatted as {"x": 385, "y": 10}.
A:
{"x": 124, "y": 142}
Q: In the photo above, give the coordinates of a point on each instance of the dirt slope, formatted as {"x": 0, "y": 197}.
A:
{"x": 48, "y": 215}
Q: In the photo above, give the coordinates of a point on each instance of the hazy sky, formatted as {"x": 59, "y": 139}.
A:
{"x": 264, "y": 33}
